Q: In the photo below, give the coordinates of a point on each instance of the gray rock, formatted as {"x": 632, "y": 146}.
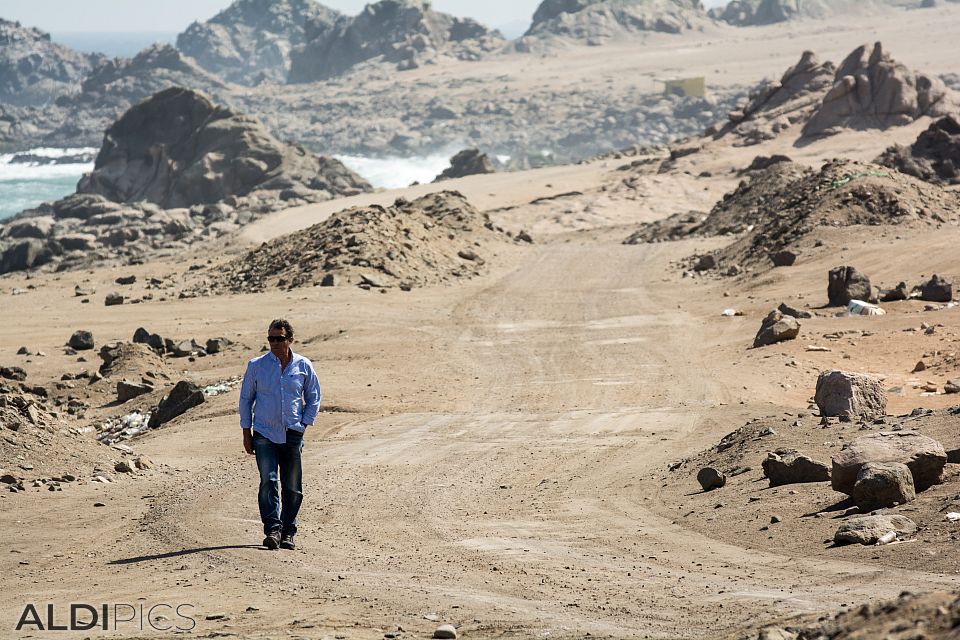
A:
{"x": 596, "y": 21}
{"x": 787, "y": 466}
{"x": 178, "y": 149}
{"x": 787, "y": 310}
{"x": 26, "y": 254}
{"x": 937, "y": 289}
{"x": 925, "y": 457}
{"x": 705, "y": 263}
{"x": 185, "y": 348}
{"x": 846, "y": 284}
{"x": 899, "y": 292}
{"x": 783, "y": 258}
{"x": 869, "y": 529}
{"x": 776, "y": 327}
{"x": 709, "y": 479}
{"x": 467, "y": 163}
{"x": 123, "y": 467}
{"x": 13, "y": 373}
{"x": 113, "y": 298}
{"x": 81, "y": 340}
{"x": 153, "y": 340}
{"x": 217, "y": 345}
{"x": 850, "y": 396}
{"x": 184, "y": 396}
{"x": 126, "y": 280}
{"x": 445, "y": 631}
{"x": 127, "y": 390}
{"x": 881, "y": 485}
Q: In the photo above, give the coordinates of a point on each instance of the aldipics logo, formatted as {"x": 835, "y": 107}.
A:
{"x": 108, "y": 617}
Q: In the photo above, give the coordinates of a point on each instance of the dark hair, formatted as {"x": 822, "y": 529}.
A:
{"x": 280, "y": 323}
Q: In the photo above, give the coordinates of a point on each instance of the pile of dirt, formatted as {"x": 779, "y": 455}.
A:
{"x": 934, "y": 157}
{"x": 739, "y": 211}
{"x": 434, "y": 239}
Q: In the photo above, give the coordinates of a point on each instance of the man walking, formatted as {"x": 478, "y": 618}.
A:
{"x": 279, "y": 399}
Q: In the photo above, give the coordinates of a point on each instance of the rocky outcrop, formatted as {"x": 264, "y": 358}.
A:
{"x": 467, "y": 163}
{"x": 934, "y": 157}
{"x": 775, "y": 107}
{"x": 250, "y": 41}
{"x": 404, "y": 33}
{"x": 872, "y": 90}
{"x": 748, "y": 13}
{"x": 850, "y": 396}
{"x": 925, "y": 457}
{"x": 34, "y": 70}
{"x": 596, "y": 21}
{"x": 178, "y": 149}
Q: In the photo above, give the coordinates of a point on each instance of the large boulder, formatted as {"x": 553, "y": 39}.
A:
{"x": 870, "y": 529}
{"x": 182, "y": 398}
{"x": 776, "y": 327}
{"x": 596, "y": 21}
{"x": 250, "y": 41}
{"x": 846, "y": 284}
{"x": 850, "y": 396}
{"x": 178, "y": 149}
{"x": 467, "y": 163}
{"x": 81, "y": 340}
{"x": 925, "y": 457}
{"x": 937, "y": 289}
{"x": 787, "y": 466}
{"x": 871, "y": 90}
{"x": 881, "y": 485}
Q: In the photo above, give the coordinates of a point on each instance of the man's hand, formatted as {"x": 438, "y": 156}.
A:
{"x": 248, "y": 441}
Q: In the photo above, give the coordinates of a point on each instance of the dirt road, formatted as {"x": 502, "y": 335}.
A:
{"x": 490, "y": 457}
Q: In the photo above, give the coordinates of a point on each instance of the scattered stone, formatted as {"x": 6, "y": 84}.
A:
{"x": 80, "y": 292}
{"x": 776, "y": 327}
{"x": 881, "y": 485}
{"x": 143, "y": 463}
{"x": 13, "y": 373}
{"x": 123, "y": 467}
{"x": 900, "y": 292}
{"x": 925, "y": 457}
{"x": 81, "y": 340}
{"x": 184, "y": 396}
{"x": 113, "y": 299}
{"x": 951, "y": 387}
{"x": 705, "y": 262}
{"x": 217, "y": 345}
{"x": 709, "y": 478}
{"x": 783, "y": 258}
{"x": 787, "y": 466}
{"x": 850, "y": 396}
{"x": 870, "y": 529}
{"x": 153, "y": 340}
{"x": 126, "y": 280}
{"x": 787, "y": 310}
{"x": 920, "y": 366}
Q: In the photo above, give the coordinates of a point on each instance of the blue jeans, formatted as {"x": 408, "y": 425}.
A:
{"x": 286, "y": 458}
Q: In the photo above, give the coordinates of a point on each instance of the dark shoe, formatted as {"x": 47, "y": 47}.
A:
{"x": 286, "y": 542}
{"x": 272, "y": 541}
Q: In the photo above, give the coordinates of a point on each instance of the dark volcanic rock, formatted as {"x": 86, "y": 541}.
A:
{"x": 250, "y": 41}
{"x": 934, "y": 157}
{"x": 179, "y": 149}
{"x": 710, "y": 479}
{"x": 33, "y": 69}
{"x": 81, "y": 340}
{"x": 872, "y": 90}
{"x": 467, "y": 163}
{"x": 182, "y": 398}
{"x": 405, "y": 33}
{"x": 845, "y": 284}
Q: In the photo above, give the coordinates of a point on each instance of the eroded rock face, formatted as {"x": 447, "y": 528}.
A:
{"x": 925, "y": 457}
{"x": 598, "y": 20}
{"x": 403, "y": 32}
{"x": 872, "y": 90}
{"x": 250, "y": 41}
{"x": 32, "y": 68}
{"x": 934, "y": 157}
{"x": 178, "y": 149}
{"x": 850, "y": 396}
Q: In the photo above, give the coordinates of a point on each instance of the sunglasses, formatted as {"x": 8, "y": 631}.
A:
{"x": 277, "y": 338}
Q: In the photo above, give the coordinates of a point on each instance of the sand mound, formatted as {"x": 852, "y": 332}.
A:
{"x": 437, "y": 238}
{"x": 934, "y": 157}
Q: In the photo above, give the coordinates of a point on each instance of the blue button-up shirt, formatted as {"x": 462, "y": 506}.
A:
{"x": 273, "y": 399}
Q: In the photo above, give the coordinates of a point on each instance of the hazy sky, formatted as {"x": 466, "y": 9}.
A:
{"x": 175, "y": 15}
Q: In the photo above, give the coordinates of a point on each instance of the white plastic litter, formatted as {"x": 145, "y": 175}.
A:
{"x": 887, "y": 538}
{"x": 220, "y": 387}
{"x": 123, "y": 428}
{"x": 953, "y": 516}
{"x": 731, "y": 312}
{"x": 861, "y": 308}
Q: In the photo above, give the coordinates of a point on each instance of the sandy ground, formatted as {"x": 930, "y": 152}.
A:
{"x": 491, "y": 455}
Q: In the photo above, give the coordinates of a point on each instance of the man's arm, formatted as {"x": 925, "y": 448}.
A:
{"x": 248, "y": 395}
{"x": 311, "y": 397}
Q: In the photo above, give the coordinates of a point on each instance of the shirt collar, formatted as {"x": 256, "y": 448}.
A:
{"x": 293, "y": 356}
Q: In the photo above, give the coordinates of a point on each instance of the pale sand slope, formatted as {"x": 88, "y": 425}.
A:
{"x": 491, "y": 453}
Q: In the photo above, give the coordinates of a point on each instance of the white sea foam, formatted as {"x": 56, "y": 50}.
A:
{"x": 30, "y": 172}
{"x": 394, "y": 173}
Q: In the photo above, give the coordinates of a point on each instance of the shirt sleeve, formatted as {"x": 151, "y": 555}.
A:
{"x": 248, "y": 393}
{"x": 311, "y": 396}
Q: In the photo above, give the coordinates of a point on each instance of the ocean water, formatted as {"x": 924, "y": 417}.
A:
{"x": 23, "y": 186}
